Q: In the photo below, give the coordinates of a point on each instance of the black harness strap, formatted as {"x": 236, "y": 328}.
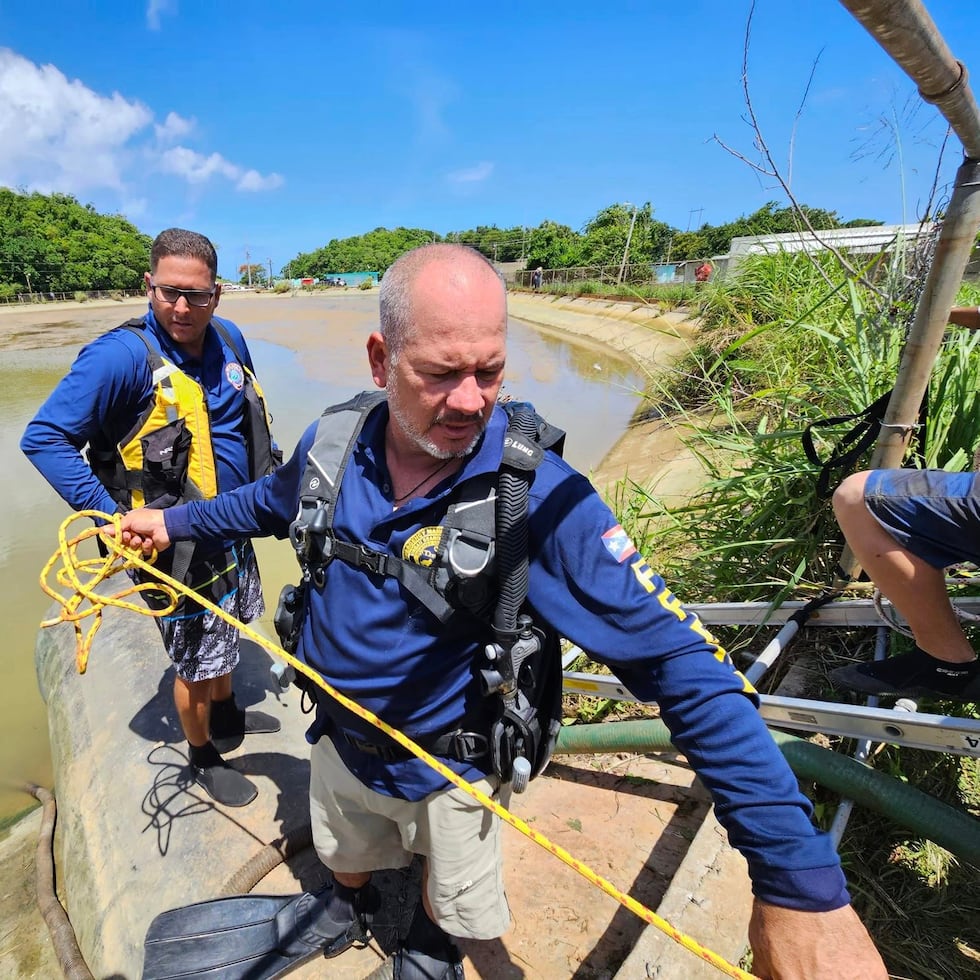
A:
{"x": 855, "y": 442}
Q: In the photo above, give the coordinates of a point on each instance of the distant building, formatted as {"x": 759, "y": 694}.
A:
{"x": 348, "y": 278}
{"x": 856, "y": 241}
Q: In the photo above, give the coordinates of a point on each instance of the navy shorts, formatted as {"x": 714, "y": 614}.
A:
{"x": 932, "y": 513}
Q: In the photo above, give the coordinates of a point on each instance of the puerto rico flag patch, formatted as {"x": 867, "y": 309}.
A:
{"x": 618, "y": 544}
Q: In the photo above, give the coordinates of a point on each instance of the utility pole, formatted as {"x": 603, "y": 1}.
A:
{"x": 248, "y": 267}
{"x": 270, "y": 272}
{"x": 626, "y": 251}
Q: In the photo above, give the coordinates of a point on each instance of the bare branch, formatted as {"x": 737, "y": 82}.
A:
{"x": 799, "y": 115}
{"x": 769, "y": 168}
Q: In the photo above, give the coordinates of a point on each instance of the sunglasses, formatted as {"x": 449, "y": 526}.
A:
{"x": 170, "y": 295}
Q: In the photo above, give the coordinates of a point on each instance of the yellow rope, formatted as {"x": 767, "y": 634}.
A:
{"x": 121, "y": 558}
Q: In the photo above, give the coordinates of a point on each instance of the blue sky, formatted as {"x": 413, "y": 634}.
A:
{"x": 273, "y": 128}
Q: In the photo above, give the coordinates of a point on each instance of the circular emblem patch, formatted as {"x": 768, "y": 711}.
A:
{"x": 421, "y": 547}
{"x": 235, "y": 375}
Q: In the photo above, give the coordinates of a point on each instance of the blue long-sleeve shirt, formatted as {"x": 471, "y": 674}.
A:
{"x": 102, "y": 396}
{"x": 377, "y": 644}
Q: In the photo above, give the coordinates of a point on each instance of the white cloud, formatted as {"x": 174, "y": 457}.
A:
{"x": 471, "y": 175}
{"x": 173, "y": 128}
{"x": 196, "y": 168}
{"x": 58, "y": 135}
{"x": 252, "y": 180}
{"x": 156, "y": 8}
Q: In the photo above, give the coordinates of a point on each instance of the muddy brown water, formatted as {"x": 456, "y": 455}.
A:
{"x": 309, "y": 352}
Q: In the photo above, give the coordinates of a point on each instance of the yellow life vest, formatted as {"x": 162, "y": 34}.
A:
{"x": 168, "y": 456}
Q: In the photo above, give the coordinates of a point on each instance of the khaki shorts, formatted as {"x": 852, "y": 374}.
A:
{"x": 356, "y": 829}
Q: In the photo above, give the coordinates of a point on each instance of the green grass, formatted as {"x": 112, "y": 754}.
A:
{"x": 665, "y": 296}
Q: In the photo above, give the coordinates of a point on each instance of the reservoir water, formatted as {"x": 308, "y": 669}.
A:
{"x": 309, "y": 353}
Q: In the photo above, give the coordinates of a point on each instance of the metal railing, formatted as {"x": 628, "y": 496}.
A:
{"x": 77, "y": 296}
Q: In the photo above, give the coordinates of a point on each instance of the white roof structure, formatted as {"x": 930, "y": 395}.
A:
{"x": 869, "y": 240}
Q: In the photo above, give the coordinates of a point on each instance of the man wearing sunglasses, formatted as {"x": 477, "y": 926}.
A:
{"x": 170, "y": 410}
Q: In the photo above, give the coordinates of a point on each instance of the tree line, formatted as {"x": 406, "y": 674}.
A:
{"x": 51, "y": 243}
{"x": 602, "y": 241}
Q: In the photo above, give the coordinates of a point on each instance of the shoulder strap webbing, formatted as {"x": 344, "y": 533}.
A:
{"x": 160, "y": 368}
{"x": 856, "y": 441}
{"x": 226, "y": 337}
{"x": 312, "y": 532}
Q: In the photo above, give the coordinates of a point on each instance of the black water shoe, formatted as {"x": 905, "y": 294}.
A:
{"x": 219, "y": 780}
{"x": 230, "y": 724}
{"x": 915, "y": 674}
{"x": 427, "y": 953}
{"x": 410, "y": 964}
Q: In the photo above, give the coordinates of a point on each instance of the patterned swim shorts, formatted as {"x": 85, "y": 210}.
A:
{"x": 204, "y": 646}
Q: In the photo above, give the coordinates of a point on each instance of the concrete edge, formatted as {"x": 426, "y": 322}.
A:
{"x": 709, "y": 900}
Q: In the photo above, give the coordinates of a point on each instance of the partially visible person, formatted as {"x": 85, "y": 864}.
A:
{"x": 703, "y": 272}
{"x": 905, "y": 527}
{"x": 169, "y": 408}
{"x": 536, "y": 278}
{"x": 418, "y": 462}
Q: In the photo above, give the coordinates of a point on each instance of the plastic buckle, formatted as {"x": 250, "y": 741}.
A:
{"x": 465, "y": 746}
{"x": 373, "y": 561}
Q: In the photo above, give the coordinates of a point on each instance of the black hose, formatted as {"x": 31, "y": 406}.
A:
{"x": 63, "y": 938}
{"x": 511, "y": 544}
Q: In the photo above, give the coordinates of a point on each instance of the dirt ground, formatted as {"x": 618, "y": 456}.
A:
{"x": 74, "y": 323}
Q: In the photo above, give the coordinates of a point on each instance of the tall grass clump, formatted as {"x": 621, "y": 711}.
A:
{"x": 789, "y": 340}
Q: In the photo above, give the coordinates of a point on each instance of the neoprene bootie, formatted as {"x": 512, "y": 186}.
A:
{"x": 428, "y": 953}
{"x": 218, "y": 779}
{"x": 230, "y": 724}
{"x": 915, "y": 674}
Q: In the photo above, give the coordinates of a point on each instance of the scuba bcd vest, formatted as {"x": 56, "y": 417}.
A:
{"x": 479, "y": 567}
{"x": 168, "y": 458}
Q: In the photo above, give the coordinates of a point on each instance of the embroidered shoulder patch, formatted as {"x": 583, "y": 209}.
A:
{"x": 618, "y": 544}
{"x": 422, "y": 546}
{"x": 235, "y": 375}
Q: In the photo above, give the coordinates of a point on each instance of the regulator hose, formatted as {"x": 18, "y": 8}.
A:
{"x": 511, "y": 544}
{"x": 70, "y": 958}
{"x": 905, "y": 805}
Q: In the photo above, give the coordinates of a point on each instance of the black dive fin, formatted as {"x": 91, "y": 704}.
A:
{"x": 246, "y": 937}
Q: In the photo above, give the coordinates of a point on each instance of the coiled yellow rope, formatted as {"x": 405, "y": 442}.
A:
{"x": 120, "y": 558}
